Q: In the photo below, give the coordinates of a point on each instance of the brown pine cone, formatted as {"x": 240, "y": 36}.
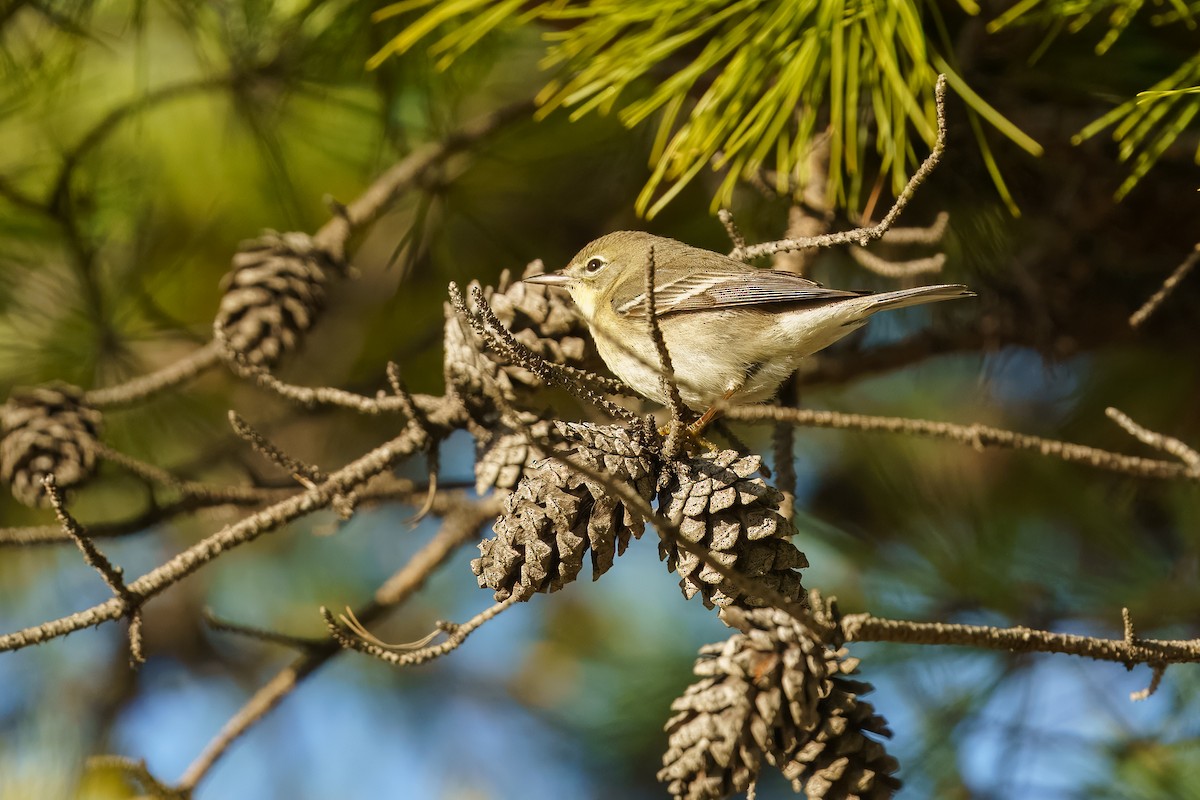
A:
{"x": 775, "y": 694}
{"x": 542, "y": 318}
{"x": 47, "y": 430}
{"x": 502, "y": 454}
{"x": 839, "y": 761}
{"x": 557, "y": 513}
{"x": 273, "y": 295}
{"x": 736, "y": 519}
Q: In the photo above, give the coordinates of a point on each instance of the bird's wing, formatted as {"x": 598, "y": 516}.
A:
{"x": 711, "y": 289}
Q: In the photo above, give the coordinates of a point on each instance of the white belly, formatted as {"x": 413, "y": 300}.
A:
{"x": 753, "y": 365}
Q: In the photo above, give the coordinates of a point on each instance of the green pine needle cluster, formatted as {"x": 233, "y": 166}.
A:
{"x": 742, "y": 88}
{"x": 1146, "y": 125}
{"x": 745, "y": 88}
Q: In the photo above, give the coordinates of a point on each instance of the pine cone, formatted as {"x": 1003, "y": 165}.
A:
{"x": 540, "y": 317}
{"x": 543, "y": 318}
{"x": 839, "y": 762}
{"x": 736, "y": 519}
{"x": 774, "y": 694}
{"x": 504, "y": 453}
{"x": 46, "y": 430}
{"x": 472, "y": 373}
{"x": 557, "y": 514}
{"x": 273, "y": 294}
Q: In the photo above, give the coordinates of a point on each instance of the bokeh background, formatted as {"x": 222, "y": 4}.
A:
{"x": 140, "y": 142}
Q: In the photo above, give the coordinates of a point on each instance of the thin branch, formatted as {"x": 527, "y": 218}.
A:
{"x": 374, "y": 491}
{"x": 864, "y": 235}
{"x": 489, "y": 328}
{"x": 888, "y": 268}
{"x": 457, "y": 634}
{"x": 131, "y": 604}
{"x": 245, "y": 530}
{"x": 929, "y": 235}
{"x": 302, "y": 643}
{"x": 54, "y": 534}
{"x": 897, "y": 269}
{"x": 1156, "y": 676}
{"x": 666, "y": 370}
{"x": 869, "y": 628}
{"x": 310, "y": 397}
{"x": 332, "y": 236}
{"x": 306, "y": 473}
{"x": 978, "y": 436}
{"x": 378, "y": 197}
{"x": 209, "y": 494}
{"x": 1168, "y": 286}
{"x": 111, "y": 573}
{"x": 433, "y": 442}
{"x": 146, "y": 386}
{"x": 460, "y": 527}
{"x": 1158, "y": 441}
{"x": 735, "y": 235}
{"x": 407, "y": 404}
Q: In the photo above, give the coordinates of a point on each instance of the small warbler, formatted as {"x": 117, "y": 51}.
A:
{"x": 734, "y": 333}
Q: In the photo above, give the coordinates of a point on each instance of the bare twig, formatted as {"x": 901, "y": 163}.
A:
{"x": 897, "y": 269}
{"x": 1158, "y": 441}
{"x": 869, "y": 628}
{"x": 459, "y": 527}
{"x": 376, "y": 490}
{"x": 146, "y": 386}
{"x": 1156, "y": 676}
{"x": 864, "y": 235}
{"x": 1168, "y": 286}
{"x": 979, "y": 436}
{"x": 929, "y": 235}
{"x": 307, "y": 474}
{"x": 407, "y": 404}
{"x": 433, "y": 442}
{"x": 112, "y": 574}
{"x": 456, "y": 635}
{"x": 735, "y": 235}
{"x": 209, "y": 494}
{"x": 303, "y": 643}
{"x": 311, "y": 397}
{"x": 245, "y": 530}
{"x": 489, "y": 328}
{"x": 666, "y": 370}
{"x": 131, "y": 603}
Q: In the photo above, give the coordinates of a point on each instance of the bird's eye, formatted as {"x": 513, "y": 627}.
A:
{"x": 594, "y": 265}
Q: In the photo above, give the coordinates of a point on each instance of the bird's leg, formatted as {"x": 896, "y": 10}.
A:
{"x": 715, "y": 409}
{"x": 697, "y": 427}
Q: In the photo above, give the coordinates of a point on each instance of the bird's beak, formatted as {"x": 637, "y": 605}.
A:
{"x": 549, "y": 279}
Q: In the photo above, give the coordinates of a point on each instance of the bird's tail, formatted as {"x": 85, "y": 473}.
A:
{"x": 903, "y": 298}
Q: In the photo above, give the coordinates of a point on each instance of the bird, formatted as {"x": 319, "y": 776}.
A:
{"x": 734, "y": 332}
